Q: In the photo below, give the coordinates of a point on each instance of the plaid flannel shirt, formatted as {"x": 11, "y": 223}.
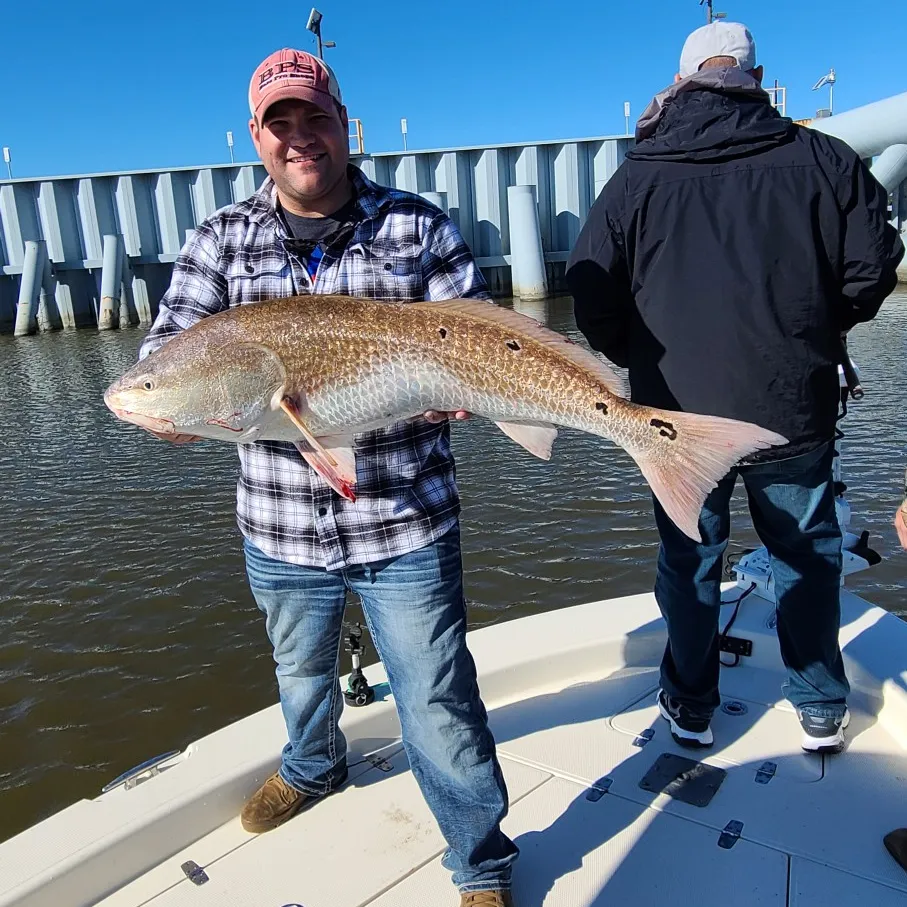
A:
{"x": 403, "y": 249}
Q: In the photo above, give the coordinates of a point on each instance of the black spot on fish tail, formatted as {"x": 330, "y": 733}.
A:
{"x": 602, "y": 408}
{"x": 442, "y": 332}
{"x": 665, "y": 429}
{"x": 513, "y": 345}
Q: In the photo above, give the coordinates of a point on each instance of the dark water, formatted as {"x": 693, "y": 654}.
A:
{"x": 126, "y": 626}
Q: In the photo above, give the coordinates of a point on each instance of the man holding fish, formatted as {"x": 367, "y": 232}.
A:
{"x": 317, "y": 225}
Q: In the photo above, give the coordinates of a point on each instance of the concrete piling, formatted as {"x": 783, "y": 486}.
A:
{"x": 48, "y": 317}
{"x": 527, "y": 260}
{"x": 30, "y": 287}
{"x": 139, "y": 289}
{"x": 111, "y": 277}
{"x": 128, "y": 314}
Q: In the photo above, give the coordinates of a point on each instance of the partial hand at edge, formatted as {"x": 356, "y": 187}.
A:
{"x": 900, "y": 523}
{"x": 434, "y": 416}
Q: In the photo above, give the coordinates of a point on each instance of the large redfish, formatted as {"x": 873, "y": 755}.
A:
{"x": 316, "y": 370}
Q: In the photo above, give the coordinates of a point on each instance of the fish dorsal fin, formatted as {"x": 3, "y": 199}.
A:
{"x": 492, "y": 314}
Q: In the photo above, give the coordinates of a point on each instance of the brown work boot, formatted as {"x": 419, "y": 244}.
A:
{"x": 486, "y": 899}
{"x": 271, "y": 805}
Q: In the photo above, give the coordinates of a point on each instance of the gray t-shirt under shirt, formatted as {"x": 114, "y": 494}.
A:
{"x": 312, "y": 235}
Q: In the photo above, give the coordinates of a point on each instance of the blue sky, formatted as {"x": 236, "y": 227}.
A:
{"x": 107, "y": 86}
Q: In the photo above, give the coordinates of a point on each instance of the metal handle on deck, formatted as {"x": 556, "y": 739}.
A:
{"x": 129, "y": 778}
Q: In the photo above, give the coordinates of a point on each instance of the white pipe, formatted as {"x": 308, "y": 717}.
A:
{"x": 870, "y": 129}
{"x": 891, "y": 167}
{"x": 900, "y": 199}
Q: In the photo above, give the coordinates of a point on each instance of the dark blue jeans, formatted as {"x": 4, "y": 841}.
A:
{"x": 793, "y": 510}
{"x": 416, "y": 613}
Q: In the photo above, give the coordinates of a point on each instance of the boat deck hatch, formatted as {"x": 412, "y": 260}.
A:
{"x": 683, "y": 779}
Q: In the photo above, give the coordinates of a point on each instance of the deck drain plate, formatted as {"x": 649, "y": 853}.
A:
{"x": 683, "y": 779}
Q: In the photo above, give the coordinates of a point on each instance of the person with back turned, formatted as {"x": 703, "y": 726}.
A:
{"x": 723, "y": 264}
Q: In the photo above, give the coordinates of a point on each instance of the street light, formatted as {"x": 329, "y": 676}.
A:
{"x": 6, "y": 158}
{"x": 314, "y": 26}
{"x": 403, "y": 128}
{"x": 828, "y": 79}
{"x": 709, "y": 15}
{"x": 230, "y": 145}
{"x": 627, "y": 115}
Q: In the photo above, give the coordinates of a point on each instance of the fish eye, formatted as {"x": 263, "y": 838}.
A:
{"x": 148, "y": 384}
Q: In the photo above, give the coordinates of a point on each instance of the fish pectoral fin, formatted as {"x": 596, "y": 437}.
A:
{"x": 336, "y": 465}
{"x": 290, "y": 407}
{"x": 332, "y": 457}
{"x": 536, "y": 437}
{"x": 340, "y": 447}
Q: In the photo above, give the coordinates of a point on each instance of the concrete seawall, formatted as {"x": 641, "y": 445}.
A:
{"x": 96, "y": 250}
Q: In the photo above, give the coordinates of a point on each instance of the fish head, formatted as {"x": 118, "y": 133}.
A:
{"x": 219, "y": 391}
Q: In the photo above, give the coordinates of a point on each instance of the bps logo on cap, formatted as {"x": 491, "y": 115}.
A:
{"x": 293, "y": 74}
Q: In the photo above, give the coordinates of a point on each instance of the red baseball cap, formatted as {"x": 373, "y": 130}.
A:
{"x": 296, "y": 74}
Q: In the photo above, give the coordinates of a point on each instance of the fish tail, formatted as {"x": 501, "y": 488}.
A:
{"x": 695, "y": 452}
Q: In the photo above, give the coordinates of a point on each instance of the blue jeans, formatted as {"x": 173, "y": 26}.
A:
{"x": 792, "y": 505}
{"x": 416, "y": 613}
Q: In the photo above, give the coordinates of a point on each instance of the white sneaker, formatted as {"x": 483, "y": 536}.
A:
{"x": 823, "y": 735}
{"x": 687, "y": 728}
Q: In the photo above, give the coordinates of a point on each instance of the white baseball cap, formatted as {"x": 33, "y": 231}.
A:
{"x": 718, "y": 39}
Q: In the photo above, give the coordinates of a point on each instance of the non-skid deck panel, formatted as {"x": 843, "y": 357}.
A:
{"x": 229, "y": 837}
{"x": 576, "y": 853}
{"x": 535, "y": 728}
{"x": 814, "y": 885}
{"x": 755, "y": 684}
{"x": 354, "y": 844}
{"x": 865, "y": 797}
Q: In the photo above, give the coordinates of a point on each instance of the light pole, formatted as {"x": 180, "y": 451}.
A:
{"x": 709, "y": 15}
{"x": 828, "y": 79}
{"x": 403, "y": 130}
{"x": 314, "y": 26}
{"x": 230, "y": 145}
{"x": 6, "y": 158}
{"x": 627, "y": 115}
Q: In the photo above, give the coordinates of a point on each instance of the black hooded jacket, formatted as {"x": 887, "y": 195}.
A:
{"x": 724, "y": 259}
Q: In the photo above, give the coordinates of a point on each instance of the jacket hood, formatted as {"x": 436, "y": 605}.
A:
{"x": 712, "y": 115}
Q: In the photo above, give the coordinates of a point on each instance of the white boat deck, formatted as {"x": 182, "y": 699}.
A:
{"x": 571, "y": 695}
